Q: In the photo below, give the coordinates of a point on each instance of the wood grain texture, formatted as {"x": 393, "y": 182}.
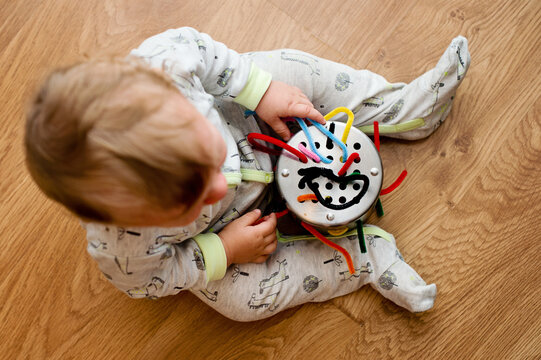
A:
{"x": 466, "y": 218}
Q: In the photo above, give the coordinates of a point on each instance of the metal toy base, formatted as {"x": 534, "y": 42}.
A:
{"x": 346, "y": 199}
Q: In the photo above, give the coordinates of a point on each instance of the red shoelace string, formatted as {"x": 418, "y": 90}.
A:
{"x": 328, "y": 242}
{"x": 252, "y": 140}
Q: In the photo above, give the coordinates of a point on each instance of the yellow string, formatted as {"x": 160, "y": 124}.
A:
{"x": 350, "y": 115}
{"x": 338, "y": 232}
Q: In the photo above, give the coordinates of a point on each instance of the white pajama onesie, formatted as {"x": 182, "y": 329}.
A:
{"x": 150, "y": 262}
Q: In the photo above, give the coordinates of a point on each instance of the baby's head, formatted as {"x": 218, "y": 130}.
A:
{"x": 115, "y": 142}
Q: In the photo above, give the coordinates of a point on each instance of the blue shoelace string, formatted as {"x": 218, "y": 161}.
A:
{"x": 327, "y": 133}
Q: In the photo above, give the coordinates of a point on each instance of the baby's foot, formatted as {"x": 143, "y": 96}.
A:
{"x": 430, "y": 96}
{"x": 402, "y": 285}
{"x": 443, "y": 81}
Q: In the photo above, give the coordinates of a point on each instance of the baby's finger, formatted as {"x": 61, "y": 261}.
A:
{"x": 305, "y": 101}
{"x": 298, "y": 109}
{"x": 302, "y": 95}
{"x": 249, "y": 218}
{"x": 269, "y": 249}
{"x": 306, "y": 111}
{"x": 316, "y": 116}
{"x": 261, "y": 259}
{"x": 281, "y": 129}
{"x": 311, "y": 111}
{"x": 270, "y": 238}
{"x": 268, "y": 226}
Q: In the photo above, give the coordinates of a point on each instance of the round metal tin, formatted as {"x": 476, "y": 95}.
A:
{"x": 345, "y": 198}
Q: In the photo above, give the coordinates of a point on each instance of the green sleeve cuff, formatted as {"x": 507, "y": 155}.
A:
{"x": 214, "y": 255}
{"x": 256, "y": 86}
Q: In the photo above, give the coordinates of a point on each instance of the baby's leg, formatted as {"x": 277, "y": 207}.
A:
{"x": 309, "y": 271}
{"x": 395, "y": 279}
{"x": 407, "y": 111}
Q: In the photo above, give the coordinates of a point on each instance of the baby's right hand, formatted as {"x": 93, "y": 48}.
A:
{"x": 245, "y": 242}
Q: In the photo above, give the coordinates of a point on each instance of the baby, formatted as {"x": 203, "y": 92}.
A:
{"x": 151, "y": 153}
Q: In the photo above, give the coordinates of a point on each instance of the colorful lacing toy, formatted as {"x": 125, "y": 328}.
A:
{"x": 307, "y": 154}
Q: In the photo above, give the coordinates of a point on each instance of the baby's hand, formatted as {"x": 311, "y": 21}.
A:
{"x": 244, "y": 242}
{"x": 282, "y": 100}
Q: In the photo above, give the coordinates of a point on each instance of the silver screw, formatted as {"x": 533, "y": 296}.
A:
{"x": 330, "y": 216}
{"x": 374, "y": 171}
{"x": 285, "y": 173}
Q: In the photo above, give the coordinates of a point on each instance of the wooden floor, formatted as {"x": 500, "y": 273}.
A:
{"x": 467, "y": 217}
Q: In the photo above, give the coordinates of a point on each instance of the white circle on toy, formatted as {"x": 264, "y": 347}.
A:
{"x": 316, "y": 193}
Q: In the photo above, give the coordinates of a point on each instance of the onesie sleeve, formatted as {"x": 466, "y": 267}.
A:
{"x": 221, "y": 71}
{"x": 146, "y": 266}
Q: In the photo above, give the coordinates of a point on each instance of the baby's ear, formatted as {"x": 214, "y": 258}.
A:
{"x": 218, "y": 189}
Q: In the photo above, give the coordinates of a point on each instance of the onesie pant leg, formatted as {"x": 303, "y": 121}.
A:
{"x": 370, "y": 96}
{"x": 310, "y": 271}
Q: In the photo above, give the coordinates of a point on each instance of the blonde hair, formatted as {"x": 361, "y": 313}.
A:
{"x": 94, "y": 143}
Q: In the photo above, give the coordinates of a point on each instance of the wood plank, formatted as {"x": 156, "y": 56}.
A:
{"x": 243, "y": 31}
{"x": 343, "y": 24}
{"x": 442, "y": 167}
{"x": 284, "y": 336}
{"x": 484, "y": 268}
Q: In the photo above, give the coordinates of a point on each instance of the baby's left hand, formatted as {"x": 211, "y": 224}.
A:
{"x": 282, "y": 100}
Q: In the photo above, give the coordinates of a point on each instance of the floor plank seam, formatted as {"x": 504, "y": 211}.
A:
{"x": 348, "y": 314}
{"x": 309, "y": 31}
